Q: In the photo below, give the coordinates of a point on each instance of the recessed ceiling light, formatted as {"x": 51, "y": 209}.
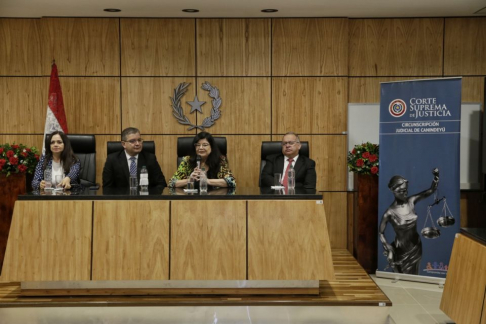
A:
{"x": 269, "y": 10}
{"x": 112, "y": 10}
{"x": 191, "y": 10}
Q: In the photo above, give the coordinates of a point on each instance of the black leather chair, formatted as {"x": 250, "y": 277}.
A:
{"x": 184, "y": 146}
{"x": 84, "y": 147}
{"x": 269, "y": 148}
{"x": 115, "y": 146}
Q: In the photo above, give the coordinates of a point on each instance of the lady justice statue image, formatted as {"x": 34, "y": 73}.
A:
{"x": 405, "y": 252}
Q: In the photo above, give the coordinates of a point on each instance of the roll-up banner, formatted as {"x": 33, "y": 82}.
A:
{"x": 419, "y": 189}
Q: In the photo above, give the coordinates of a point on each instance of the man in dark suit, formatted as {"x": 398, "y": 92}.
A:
{"x": 120, "y": 165}
{"x": 305, "y": 168}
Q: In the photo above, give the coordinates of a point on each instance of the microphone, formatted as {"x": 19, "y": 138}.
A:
{"x": 198, "y": 161}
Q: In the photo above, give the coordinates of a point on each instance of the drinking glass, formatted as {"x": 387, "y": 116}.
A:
{"x": 58, "y": 181}
{"x": 277, "y": 178}
{"x": 48, "y": 178}
{"x": 133, "y": 183}
{"x": 190, "y": 183}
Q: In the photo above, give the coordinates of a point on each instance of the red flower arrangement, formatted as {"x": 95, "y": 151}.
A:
{"x": 363, "y": 159}
{"x": 18, "y": 158}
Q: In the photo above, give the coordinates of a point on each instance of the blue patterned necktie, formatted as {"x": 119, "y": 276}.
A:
{"x": 133, "y": 167}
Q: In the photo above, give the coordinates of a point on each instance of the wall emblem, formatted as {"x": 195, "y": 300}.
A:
{"x": 196, "y": 105}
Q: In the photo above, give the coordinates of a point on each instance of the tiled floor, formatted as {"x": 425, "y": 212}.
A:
{"x": 413, "y": 302}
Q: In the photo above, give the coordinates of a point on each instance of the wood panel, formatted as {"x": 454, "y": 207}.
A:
{"x": 146, "y": 104}
{"x": 335, "y": 205}
{"x": 244, "y": 158}
{"x": 27, "y": 140}
{"x": 330, "y": 154}
{"x": 352, "y": 287}
{"x": 288, "y": 240}
{"x": 465, "y": 46}
{"x": 24, "y": 101}
{"x": 208, "y": 240}
{"x": 473, "y": 89}
{"x": 245, "y": 108}
{"x": 351, "y": 202}
{"x": 310, "y": 46}
{"x": 81, "y": 46}
{"x": 158, "y": 47}
{"x": 309, "y": 105}
{"x": 131, "y": 240}
{"x": 49, "y": 241}
{"x": 367, "y": 90}
{"x": 230, "y": 47}
{"x": 92, "y": 105}
{"x": 465, "y": 284}
{"x": 20, "y": 47}
{"x": 396, "y": 47}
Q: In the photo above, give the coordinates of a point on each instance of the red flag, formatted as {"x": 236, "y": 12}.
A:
{"x": 55, "y": 118}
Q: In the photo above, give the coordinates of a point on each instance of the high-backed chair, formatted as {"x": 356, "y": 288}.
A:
{"x": 269, "y": 148}
{"x": 115, "y": 146}
{"x": 185, "y": 147}
{"x": 84, "y": 147}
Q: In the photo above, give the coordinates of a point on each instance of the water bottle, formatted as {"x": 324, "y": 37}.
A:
{"x": 144, "y": 182}
{"x": 291, "y": 178}
{"x": 203, "y": 181}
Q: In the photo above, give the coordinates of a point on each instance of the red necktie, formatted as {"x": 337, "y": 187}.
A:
{"x": 285, "y": 181}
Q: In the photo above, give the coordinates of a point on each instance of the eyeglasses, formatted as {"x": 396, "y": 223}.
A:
{"x": 291, "y": 143}
{"x": 133, "y": 141}
{"x": 204, "y": 145}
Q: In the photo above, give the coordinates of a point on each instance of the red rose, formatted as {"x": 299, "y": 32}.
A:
{"x": 28, "y": 149}
{"x": 22, "y": 168}
{"x": 2, "y": 162}
{"x": 374, "y": 170}
{"x": 13, "y": 161}
{"x": 24, "y": 154}
{"x": 36, "y": 156}
{"x": 1, "y": 150}
{"x": 359, "y": 163}
{"x": 353, "y": 151}
{"x": 10, "y": 153}
{"x": 15, "y": 147}
{"x": 373, "y": 158}
{"x": 366, "y": 155}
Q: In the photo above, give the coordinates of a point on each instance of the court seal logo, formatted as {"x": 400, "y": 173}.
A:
{"x": 196, "y": 105}
{"x": 397, "y": 108}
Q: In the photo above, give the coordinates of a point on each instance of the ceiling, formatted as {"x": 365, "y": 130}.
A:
{"x": 243, "y": 8}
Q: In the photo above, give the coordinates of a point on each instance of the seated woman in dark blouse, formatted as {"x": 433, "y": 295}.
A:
{"x": 60, "y": 159}
{"x": 215, "y": 165}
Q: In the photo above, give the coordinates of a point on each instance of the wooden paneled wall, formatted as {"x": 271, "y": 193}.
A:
{"x": 274, "y": 76}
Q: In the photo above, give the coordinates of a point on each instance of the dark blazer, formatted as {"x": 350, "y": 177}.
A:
{"x": 117, "y": 174}
{"x": 305, "y": 171}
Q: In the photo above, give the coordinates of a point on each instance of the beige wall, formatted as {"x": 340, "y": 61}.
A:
{"x": 274, "y": 76}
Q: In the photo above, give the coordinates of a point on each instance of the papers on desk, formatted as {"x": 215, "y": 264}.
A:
{"x": 277, "y": 187}
{"x": 190, "y": 190}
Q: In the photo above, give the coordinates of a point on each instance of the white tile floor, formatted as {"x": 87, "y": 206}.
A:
{"x": 413, "y": 302}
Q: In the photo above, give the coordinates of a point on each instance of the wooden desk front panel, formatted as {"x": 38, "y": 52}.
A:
{"x": 208, "y": 240}
{"x": 288, "y": 240}
{"x": 131, "y": 240}
{"x": 49, "y": 240}
{"x": 465, "y": 286}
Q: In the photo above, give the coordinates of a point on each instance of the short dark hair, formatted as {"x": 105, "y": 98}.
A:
{"x": 129, "y": 131}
